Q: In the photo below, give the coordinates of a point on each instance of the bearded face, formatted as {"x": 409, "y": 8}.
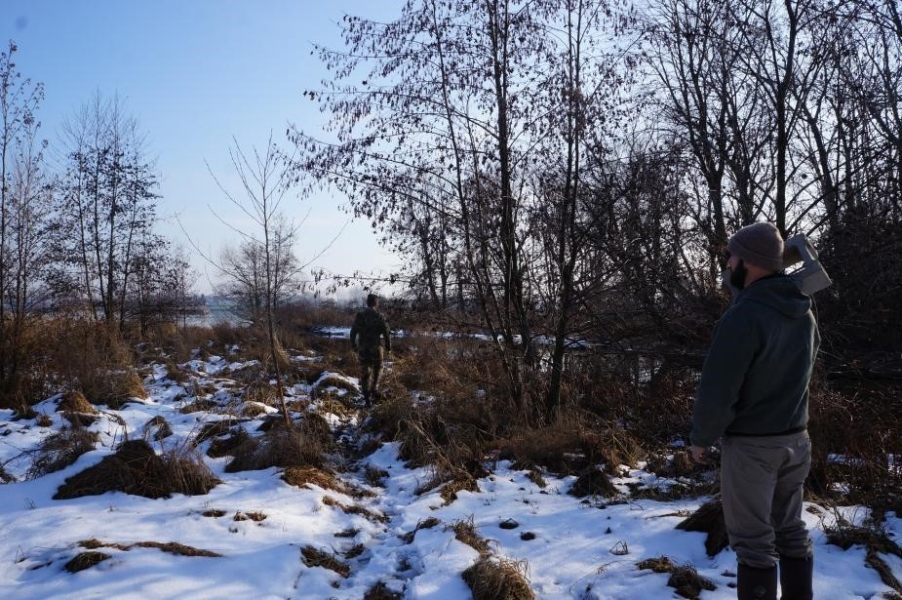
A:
{"x": 737, "y": 274}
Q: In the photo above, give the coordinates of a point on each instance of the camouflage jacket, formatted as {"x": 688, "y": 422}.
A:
{"x": 369, "y": 325}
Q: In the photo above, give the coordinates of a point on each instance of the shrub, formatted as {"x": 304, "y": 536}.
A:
{"x": 861, "y": 427}
{"x": 94, "y": 359}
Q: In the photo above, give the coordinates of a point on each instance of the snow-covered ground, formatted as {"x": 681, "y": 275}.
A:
{"x": 260, "y": 526}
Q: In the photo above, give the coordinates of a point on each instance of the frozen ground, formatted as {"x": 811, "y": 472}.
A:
{"x": 568, "y": 548}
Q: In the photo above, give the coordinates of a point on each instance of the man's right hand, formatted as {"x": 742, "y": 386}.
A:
{"x": 699, "y": 455}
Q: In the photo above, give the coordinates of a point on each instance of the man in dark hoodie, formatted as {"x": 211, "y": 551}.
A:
{"x": 754, "y": 393}
{"x": 367, "y": 332}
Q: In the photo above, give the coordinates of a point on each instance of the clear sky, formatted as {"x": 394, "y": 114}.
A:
{"x": 195, "y": 73}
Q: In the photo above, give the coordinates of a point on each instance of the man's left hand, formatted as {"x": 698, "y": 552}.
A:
{"x": 699, "y": 455}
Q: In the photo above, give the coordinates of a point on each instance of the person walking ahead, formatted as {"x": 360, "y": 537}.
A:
{"x": 754, "y": 392}
{"x": 367, "y": 332}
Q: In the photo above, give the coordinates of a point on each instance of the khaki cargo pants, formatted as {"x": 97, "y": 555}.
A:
{"x": 762, "y": 481}
{"x": 370, "y": 369}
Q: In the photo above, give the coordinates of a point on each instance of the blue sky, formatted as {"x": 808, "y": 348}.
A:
{"x": 195, "y": 73}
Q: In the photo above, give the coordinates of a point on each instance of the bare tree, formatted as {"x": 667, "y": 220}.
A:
{"x": 263, "y": 270}
{"x": 22, "y": 192}
{"x": 161, "y": 289}
{"x": 466, "y": 113}
{"x": 107, "y": 202}
{"x": 709, "y": 107}
{"x": 245, "y": 267}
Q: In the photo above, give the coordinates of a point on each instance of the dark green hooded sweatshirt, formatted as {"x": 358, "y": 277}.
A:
{"x": 755, "y": 377}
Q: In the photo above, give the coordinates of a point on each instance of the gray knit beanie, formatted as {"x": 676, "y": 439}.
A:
{"x": 759, "y": 244}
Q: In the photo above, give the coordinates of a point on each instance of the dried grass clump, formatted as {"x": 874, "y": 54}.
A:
{"x": 875, "y": 540}
{"x": 23, "y": 412}
{"x": 177, "y": 549}
{"x": 261, "y": 392}
{"x": 347, "y": 533}
{"x": 228, "y": 446}
{"x": 355, "y": 509}
{"x": 312, "y": 557}
{"x": 128, "y": 385}
{"x": 85, "y": 560}
{"x": 317, "y": 427}
{"x": 429, "y": 369}
{"x": 76, "y": 409}
{"x": 612, "y": 447}
{"x": 381, "y": 592}
{"x": 388, "y": 417}
{"x": 188, "y": 474}
{"x": 594, "y": 482}
{"x": 340, "y": 407}
{"x": 306, "y": 476}
{"x": 113, "y": 387}
{"x": 214, "y": 429}
{"x": 558, "y": 447}
{"x": 684, "y": 579}
{"x": 462, "y": 483}
{"x": 709, "y": 519}
{"x": 663, "y": 492}
{"x": 498, "y": 579}
{"x": 168, "y": 547}
{"x": 256, "y": 517}
{"x": 679, "y": 464}
{"x": 75, "y": 402}
{"x": 444, "y": 434}
{"x": 322, "y": 384}
{"x": 429, "y": 523}
{"x": 225, "y": 334}
{"x": 252, "y": 409}
{"x": 176, "y": 374}
{"x": 199, "y": 405}
{"x": 59, "y": 450}
{"x": 279, "y": 447}
{"x": 465, "y": 531}
{"x": 136, "y": 469}
{"x": 375, "y": 477}
{"x": 157, "y": 428}
{"x": 450, "y": 483}
{"x": 534, "y": 474}
{"x": 80, "y": 419}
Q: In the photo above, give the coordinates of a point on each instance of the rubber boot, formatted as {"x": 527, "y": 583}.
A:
{"x": 365, "y": 386}
{"x": 795, "y": 578}
{"x": 756, "y": 584}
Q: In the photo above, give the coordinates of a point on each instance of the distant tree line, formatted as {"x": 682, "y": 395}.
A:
{"x": 556, "y": 170}
{"x": 77, "y": 237}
